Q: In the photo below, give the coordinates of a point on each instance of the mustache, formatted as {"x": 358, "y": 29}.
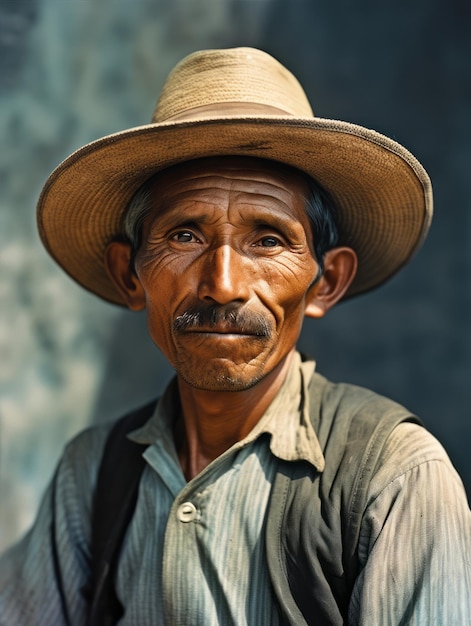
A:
{"x": 232, "y": 319}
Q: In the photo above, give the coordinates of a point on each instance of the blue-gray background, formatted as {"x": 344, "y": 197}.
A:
{"x": 74, "y": 70}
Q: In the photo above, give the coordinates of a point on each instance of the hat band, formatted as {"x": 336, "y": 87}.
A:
{"x": 223, "y": 109}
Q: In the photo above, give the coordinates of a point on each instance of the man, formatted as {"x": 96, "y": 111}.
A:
{"x": 268, "y": 495}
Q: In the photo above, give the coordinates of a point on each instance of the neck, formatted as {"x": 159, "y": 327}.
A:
{"x": 211, "y": 422}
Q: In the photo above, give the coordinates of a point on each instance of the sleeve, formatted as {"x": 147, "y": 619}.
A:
{"x": 42, "y": 578}
{"x": 415, "y": 539}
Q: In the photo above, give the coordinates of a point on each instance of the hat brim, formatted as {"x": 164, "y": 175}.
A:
{"x": 383, "y": 192}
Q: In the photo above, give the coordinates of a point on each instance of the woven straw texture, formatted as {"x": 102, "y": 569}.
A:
{"x": 239, "y": 102}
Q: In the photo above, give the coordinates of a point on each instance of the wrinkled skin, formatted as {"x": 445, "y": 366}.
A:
{"x": 227, "y": 237}
{"x": 226, "y": 272}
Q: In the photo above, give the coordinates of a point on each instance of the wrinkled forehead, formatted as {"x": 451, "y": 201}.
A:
{"x": 256, "y": 190}
{"x": 232, "y": 169}
{"x": 258, "y": 183}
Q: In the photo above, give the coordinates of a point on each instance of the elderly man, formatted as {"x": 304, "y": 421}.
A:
{"x": 253, "y": 491}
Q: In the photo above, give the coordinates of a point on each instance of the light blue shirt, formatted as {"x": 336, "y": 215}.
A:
{"x": 194, "y": 553}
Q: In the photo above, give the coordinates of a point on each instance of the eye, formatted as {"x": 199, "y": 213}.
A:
{"x": 183, "y": 236}
{"x": 269, "y": 242}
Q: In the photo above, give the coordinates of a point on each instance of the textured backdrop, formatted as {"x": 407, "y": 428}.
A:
{"x": 74, "y": 70}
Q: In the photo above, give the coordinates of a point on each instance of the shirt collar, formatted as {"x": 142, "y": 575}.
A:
{"x": 286, "y": 420}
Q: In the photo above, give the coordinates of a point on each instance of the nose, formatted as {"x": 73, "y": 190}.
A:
{"x": 224, "y": 276}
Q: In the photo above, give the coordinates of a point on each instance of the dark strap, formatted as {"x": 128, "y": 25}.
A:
{"x": 115, "y": 499}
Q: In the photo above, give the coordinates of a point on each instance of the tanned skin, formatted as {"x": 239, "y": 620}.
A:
{"x": 226, "y": 274}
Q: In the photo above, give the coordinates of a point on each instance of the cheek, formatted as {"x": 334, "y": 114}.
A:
{"x": 286, "y": 284}
{"x": 160, "y": 318}
{"x": 154, "y": 264}
{"x": 162, "y": 273}
{"x": 160, "y": 278}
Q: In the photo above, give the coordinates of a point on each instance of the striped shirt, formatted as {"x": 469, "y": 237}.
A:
{"x": 194, "y": 552}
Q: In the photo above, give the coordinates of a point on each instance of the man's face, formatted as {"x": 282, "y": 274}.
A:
{"x": 225, "y": 265}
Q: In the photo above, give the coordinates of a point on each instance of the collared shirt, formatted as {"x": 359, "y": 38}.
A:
{"x": 207, "y": 540}
{"x": 194, "y": 553}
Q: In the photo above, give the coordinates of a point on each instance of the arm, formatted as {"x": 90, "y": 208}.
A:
{"x": 42, "y": 576}
{"x": 415, "y": 542}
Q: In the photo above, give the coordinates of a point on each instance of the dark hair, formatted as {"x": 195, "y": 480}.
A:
{"x": 319, "y": 204}
{"x": 322, "y": 213}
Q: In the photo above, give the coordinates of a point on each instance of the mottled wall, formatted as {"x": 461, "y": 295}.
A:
{"x": 74, "y": 70}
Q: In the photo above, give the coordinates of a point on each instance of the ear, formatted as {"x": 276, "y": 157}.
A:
{"x": 340, "y": 266}
{"x": 126, "y": 281}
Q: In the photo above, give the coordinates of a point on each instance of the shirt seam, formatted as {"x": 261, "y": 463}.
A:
{"x": 402, "y": 474}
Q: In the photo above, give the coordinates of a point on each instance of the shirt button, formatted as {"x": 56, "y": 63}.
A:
{"x": 186, "y": 512}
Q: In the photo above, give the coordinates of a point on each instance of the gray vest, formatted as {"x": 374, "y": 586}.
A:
{"x": 314, "y": 518}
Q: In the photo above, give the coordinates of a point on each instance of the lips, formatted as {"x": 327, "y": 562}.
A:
{"x": 220, "y": 329}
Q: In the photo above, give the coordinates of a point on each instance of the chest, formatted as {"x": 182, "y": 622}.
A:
{"x": 198, "y": 549}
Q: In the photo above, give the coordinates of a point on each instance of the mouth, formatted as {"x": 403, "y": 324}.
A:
{"x": 228, "y": 337}
{"x": 221, "y": 329}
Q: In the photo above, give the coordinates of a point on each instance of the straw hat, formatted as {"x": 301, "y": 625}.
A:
{"x": 238, "y": 102}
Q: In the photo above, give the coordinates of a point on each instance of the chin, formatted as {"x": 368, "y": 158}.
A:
{"x": 219, "y": 380}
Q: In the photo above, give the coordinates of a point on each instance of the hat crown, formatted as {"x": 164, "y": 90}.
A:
{"x": 212, "y": 83}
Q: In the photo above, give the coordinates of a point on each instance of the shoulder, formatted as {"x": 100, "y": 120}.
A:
{"x": 350, "y": 417}
{"x": 415, "y": 538}
{"x": 416, "y": 499}
{"x": 412, "y": 453}
{"x": 84, "y": 456}
{"x": 416, "y": 489}
{"x": 75, "y": 478}
{"x": 352, "y": 398}
{"x": 85, "y": 449}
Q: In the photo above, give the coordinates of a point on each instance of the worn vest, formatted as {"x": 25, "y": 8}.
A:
{"x": 314, "y": 518}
